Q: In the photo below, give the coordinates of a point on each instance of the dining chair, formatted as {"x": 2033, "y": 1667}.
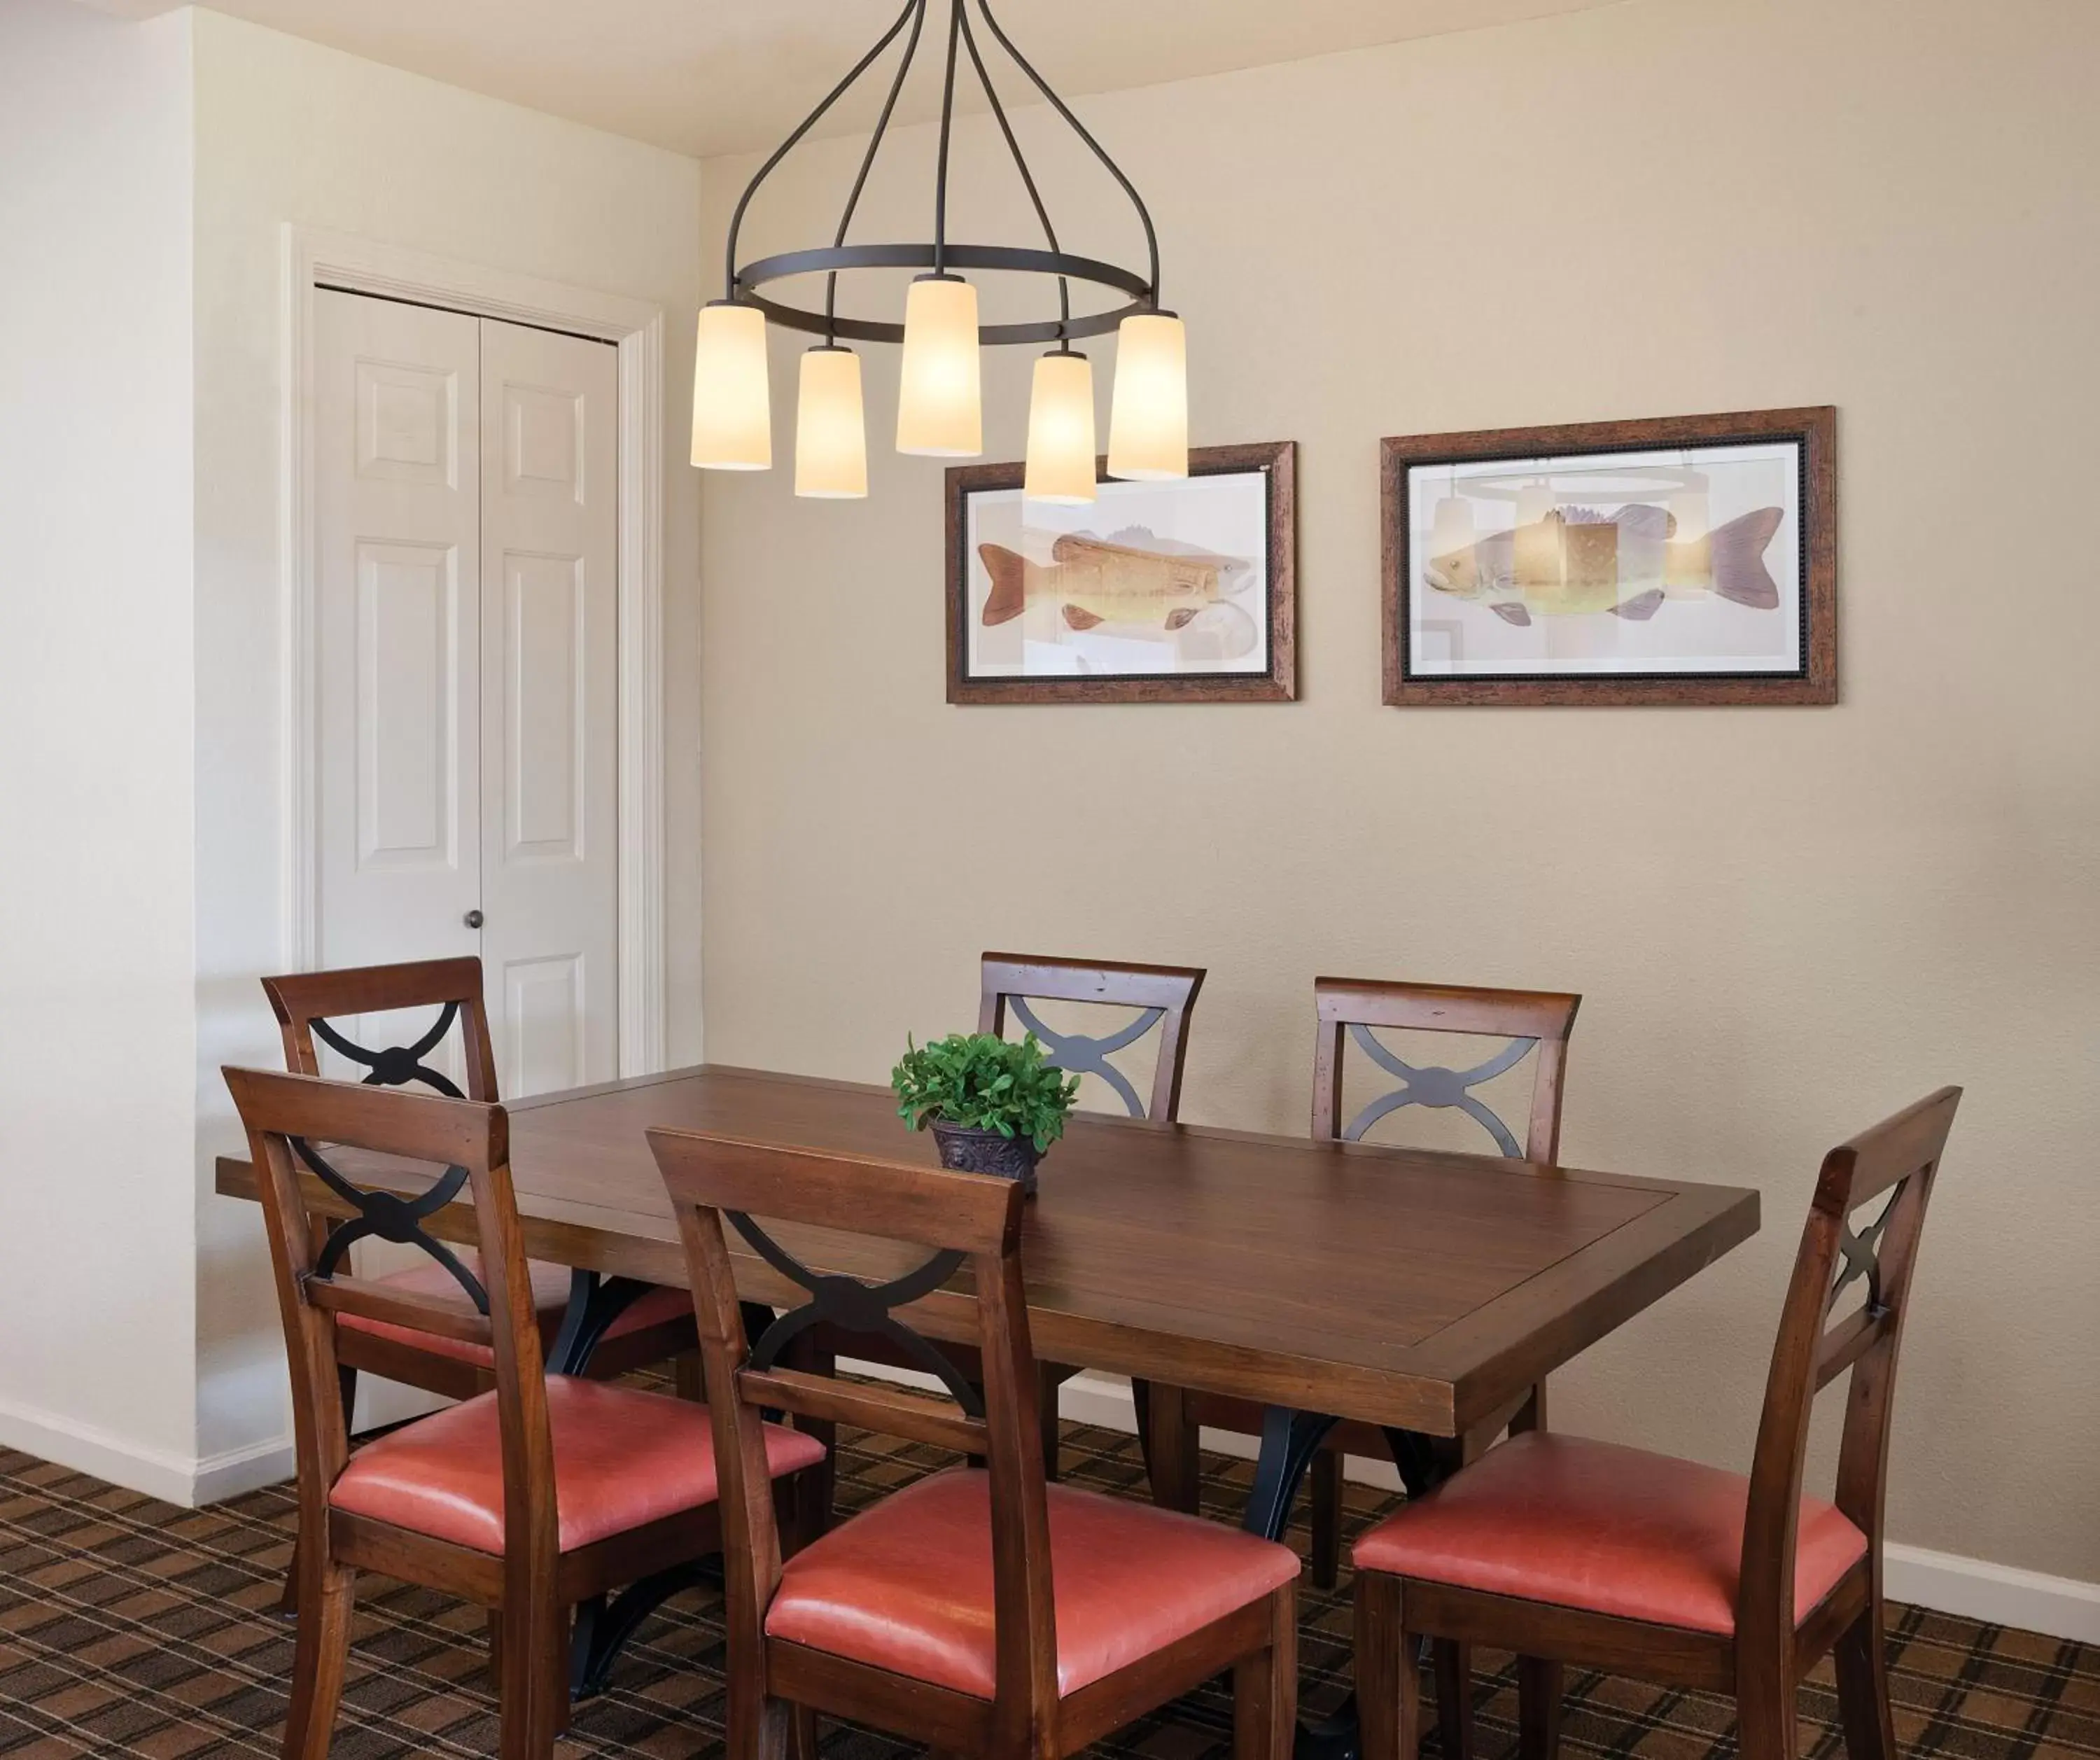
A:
{"x": 979, "y": 1611}
{"x": 1534, "y": 1026}
{"x": 1156, "y": 1001}
{"x": 1566, "y": 1550}
{"x": 547, "y": 1491}
{"x": 655, "y": 1327}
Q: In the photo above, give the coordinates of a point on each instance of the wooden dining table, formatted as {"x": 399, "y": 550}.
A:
{"x": 1420, "y": 1291}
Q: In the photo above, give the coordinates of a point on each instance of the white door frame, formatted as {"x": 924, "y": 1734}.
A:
{"x": 313, "y": 259}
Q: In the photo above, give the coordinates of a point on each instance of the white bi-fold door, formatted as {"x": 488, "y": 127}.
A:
{"x": 466, "y": 667}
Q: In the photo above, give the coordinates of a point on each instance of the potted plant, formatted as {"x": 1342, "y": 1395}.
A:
{"x": 993, "y": 1105}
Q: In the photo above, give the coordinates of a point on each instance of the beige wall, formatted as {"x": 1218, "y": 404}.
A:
{"x": 1785, "y": 923}
{"x": 287, "y": 131}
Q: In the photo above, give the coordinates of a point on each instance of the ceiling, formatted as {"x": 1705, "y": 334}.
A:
{"x": 707, "y": 77}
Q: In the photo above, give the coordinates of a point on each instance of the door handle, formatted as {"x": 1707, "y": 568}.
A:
{"x": 473, "y": 920}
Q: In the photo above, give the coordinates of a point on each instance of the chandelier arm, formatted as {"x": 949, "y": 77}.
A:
{"x": 917, "y": 10}
{"x": 948, "y": 124}
{"x": 1079, "y": 128}
{"x": 808, "y": 122}
{"x": 1020, "y": 164}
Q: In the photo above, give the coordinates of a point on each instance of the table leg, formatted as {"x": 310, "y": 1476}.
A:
{"x": 594, "y": 1303}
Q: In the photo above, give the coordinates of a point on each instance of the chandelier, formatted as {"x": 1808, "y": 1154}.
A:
{"x": 939, "y": 410}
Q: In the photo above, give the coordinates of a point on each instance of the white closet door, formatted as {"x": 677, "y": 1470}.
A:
{"x": 549, "y": 685}
{"x": 397, "y": 489}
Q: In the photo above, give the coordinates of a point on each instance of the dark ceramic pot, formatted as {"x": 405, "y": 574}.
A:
{"x": 971, "y": 1151}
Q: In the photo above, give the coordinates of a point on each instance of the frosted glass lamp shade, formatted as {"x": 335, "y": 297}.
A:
{"x": 1534, "y": 502}
{"x": 1149, "y": 412}
{"x": 732, "y": 402}
{"x": 1453, "y": 528}
{"x": 1060, "y": 431}
{"x": 940, "y": 412}
{"x": 831, "y": 438}
{"x": 1691, "y": 509}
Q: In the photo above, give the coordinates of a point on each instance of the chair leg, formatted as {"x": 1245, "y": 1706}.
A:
{"x": 801, "y": 1733}
{"x": 1765, "y": 1725}
{"x": 688, "y": 1380}
{"x": 1176, "y": 1458}
{"x": 1325, "y": 1476}
{"x": 1861, "y": 1659}
{"x": 495, "y": 1650}
{"x": 1538, "y": 1689}
{"x": 1265, "y": 1687}
{"x": 321, "y": 1654}
{"x": 534, "y": 1683}
{"x": 1388, "y": 1678}
{"x": 1454, "y": 1697}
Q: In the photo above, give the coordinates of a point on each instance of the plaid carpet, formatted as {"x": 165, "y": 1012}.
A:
{"x": 130, "y": 1628}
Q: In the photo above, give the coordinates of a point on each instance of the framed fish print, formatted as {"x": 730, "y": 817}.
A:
{"x": 1174, "y": 592}
{"x": 1692, "y": 559}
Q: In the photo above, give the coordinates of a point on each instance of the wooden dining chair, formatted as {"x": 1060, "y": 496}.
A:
{"x": 982, "y": 1612}
{"x": 546, "y": 1491}
{"x": 1568, "y": 1550}
{"x": 1534, "y": 1025}
{"x": 655, "y": 1327}
{"x": 1158, "y": 1001}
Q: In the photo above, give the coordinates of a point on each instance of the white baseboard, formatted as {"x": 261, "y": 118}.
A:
{"x": 1975, "y": 1589}
{"x": 2000, "y": 1594}
{"x": 88, "y": 1448}
{"x": 161, "y": 1473}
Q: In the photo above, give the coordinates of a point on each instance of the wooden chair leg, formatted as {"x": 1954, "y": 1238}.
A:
{"x": 495, "y": 1650}
{"x": 288, "y": 1597}
{"x": 1765, "y": 1725}
{"x": 801, "y": 1733}
{"x": 1861, "y": 1659}
{"x": 1325, "y": 1476}
{"x": 1454, "y": 1697}
{"x": 1266, "y": 1688}
{"x": 534, "y": 1684}
{"x": 688, "y": 1380}
{"x": 1388, "y": 1679}
{"x": 320, "y": 1654}
{"x": 1176, "y": 1459}
{"x": 1538, "y": 1690}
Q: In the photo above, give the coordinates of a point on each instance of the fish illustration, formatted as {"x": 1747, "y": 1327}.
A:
{"x": 1627, "y": 562}
{"x": 1132, "y": 578}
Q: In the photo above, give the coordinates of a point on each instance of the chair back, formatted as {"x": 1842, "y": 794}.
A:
{"x": 1162, "y": 995}
{"x": 960, "y": 1221}
{"x": 1896, "y": 1161}
{"x": 441, "y": 1148}
{"x": 1350, "y": 1010}
{"x": 306, "y": 1003}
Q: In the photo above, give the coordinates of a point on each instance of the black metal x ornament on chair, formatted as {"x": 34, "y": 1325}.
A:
{"x": 1082, "y": 1054}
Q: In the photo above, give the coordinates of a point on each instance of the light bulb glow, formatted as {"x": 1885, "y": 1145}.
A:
{"x": 940, "y": 411}
{"x": 1453, "y": 529}
{"x": 732, "y": 399}
{"x": 1149, "y": 411}
{"x": 831, "y": 438}
{"x": 1060, "y": 431}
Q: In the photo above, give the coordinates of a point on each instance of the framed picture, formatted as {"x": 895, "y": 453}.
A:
{"x": 1692, "y": 559}
{"x": 1177, "y": 592}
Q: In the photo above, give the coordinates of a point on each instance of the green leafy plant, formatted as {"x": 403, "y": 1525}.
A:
{"x": 983, "y": 1082}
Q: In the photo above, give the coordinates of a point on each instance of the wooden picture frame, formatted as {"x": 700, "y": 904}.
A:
{"x": 1271, "y": 675}
{"x": 1806, "y": 437}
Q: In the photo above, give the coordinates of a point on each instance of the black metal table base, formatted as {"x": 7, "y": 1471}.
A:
{"x": 604, "y": 1625}
{"x": 1290, "y": 1439}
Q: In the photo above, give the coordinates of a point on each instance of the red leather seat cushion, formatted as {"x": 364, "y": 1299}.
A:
{"x": 550, "y": 1297}
{"x": 622, "y": 1459}
{"x": 905, "y": 1586}
{"x": 1614, "y": 1530}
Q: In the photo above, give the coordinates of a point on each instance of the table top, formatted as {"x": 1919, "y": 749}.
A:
{"x": 1396, "y": 1286}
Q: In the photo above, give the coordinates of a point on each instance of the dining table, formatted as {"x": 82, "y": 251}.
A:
{"x": 1420, "y": 1291}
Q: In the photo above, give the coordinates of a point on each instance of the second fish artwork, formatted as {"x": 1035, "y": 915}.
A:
{"x": 1177, "y": 591}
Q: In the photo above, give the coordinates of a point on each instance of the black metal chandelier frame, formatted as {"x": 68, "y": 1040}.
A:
{"x": 941, "y": 256}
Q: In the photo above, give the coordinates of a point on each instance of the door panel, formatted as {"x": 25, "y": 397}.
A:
{"x": 549, "y": 705}
{"x": 397, "y": 524}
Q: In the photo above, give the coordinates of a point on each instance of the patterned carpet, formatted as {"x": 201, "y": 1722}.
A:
{"x": 130, "y": 1628}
